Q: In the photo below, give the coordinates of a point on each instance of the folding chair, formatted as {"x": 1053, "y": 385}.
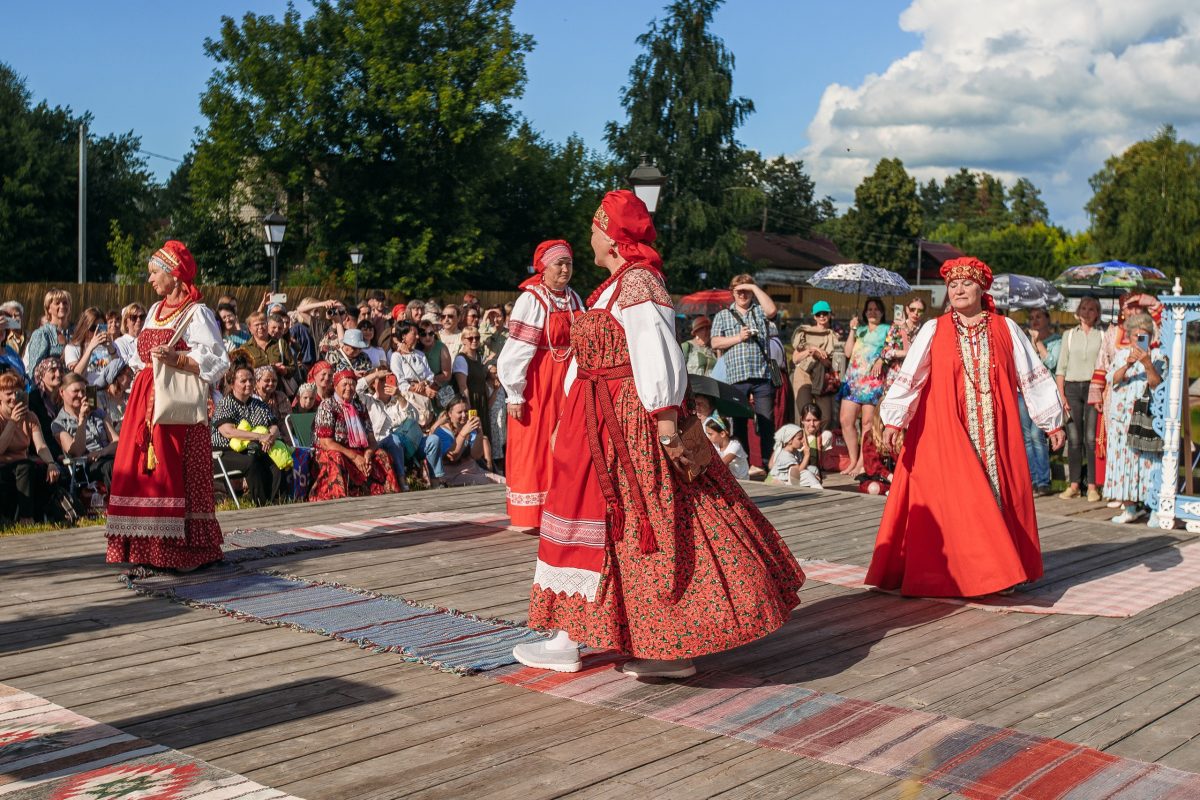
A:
{"x": 300, "y": 427}
{"x": 226, "y": 475}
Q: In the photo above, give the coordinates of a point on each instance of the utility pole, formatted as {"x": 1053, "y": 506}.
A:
{"x": 764, "y": 219}
{"x": 920, "y": 242}
{"x": 82, "y": 203}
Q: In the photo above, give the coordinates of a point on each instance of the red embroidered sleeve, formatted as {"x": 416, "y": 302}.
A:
{"x": 640, "y": 286}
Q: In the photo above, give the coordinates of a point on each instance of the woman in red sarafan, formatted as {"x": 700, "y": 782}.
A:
{"x": 631, "y": 557}
{"x": 347, "y": 462}
{"x": 531, "y": 368}
{"x": 959, "y": 520}
{"x": 161, "y": 512}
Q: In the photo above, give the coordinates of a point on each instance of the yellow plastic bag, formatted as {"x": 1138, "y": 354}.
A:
{"x": 240, "y": 445}
{"x": 281, "y": 454}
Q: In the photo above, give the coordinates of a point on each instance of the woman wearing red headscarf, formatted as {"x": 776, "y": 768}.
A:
{"x": 160, "y": 511}
{"x": 347, "y": 461}
{"x": 631, "y": 556}
{"x": 531, "y": 369}
{"x": 959, "y": 519}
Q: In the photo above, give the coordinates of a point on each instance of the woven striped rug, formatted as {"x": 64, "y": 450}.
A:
{"x": 976, "y": 760}
{"x": 1147, "y": 581}
{"x": 50, "y": 753}
{"x": 402, "y": 523}
{"x": 438, "y": 637}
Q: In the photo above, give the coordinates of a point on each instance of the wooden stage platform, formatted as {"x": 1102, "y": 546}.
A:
{"x": 323, "y": 719}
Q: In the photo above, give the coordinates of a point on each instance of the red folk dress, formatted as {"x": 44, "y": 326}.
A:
{"x": 334, "y": 475}
{"x": 161, "y": 511}
{"x": 629, "y": 557}
{"x": 959, "y": 519}
{"x": 532, "y": 368}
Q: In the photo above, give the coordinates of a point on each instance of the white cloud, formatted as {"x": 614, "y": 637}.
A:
{"x": 1042, "y": 89}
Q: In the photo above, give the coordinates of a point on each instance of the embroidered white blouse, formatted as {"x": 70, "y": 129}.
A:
{"x": 525, "y": 336}
{"x": 659, "y": 372}
{"x": 203, "y": 336}
{"x": 1035, "y": 381}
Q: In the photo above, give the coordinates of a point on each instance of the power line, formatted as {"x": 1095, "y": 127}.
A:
{"x": 156, "y": 155}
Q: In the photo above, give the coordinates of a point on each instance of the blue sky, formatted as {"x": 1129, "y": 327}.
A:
{"x": 1045, "y": 90}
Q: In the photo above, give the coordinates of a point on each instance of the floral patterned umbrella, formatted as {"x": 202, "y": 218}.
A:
{"x": 1013, "y": 292}
{"x": 859, "y": 279}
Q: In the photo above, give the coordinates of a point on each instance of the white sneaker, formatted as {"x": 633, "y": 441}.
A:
{"x": 1113, "y": 504}
{"x": 1128, "y": 515}
{"x": 539, "y": 656}
{"x": 657, "y": 668}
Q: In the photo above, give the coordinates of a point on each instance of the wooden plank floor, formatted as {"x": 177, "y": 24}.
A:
{"x": 323, "y": 719}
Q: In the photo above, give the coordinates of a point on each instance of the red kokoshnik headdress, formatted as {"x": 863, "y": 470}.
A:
{"x": 972, "y": 269}
{"x": 546, "y": 254}
{"x": 174, "y": 258}
{"x": 623, "y": 218}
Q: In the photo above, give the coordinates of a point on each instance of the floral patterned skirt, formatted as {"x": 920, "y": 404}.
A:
{"x": 335, "y": 476}
{"x": 721, "y": 576}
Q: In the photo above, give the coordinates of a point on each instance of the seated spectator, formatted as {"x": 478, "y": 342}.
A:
{"x": 818, "y": 440}
{"x": 52, "y": 337}
{"x": 133, "y": 317}
{"x": 116, "y": 393}
{"x": 89, "y": 352}
{"x": 46, "y": 399}
{"x": 374, "y": 355}
{"x": 266, "y": 388}
{"x": 306, "y": 399}
{"x": 791, "y": 463}
{"x": 232, "y": 332}
{"x": 25, "y": 484}
{"x": 409, "y": 364}
{"x": 471, "y": 378}
{"x": 239, "y": 403}
{"x": 321, "y": 376}
{"x": 82, "y": 430}
{"x": 395, "y": 422}
{"x": 113, "y": 318}
{"x": 454, "y": 458}
{"x": 730, "y": 449}
{"x": 349, "y": 354}
{"x": 348, "y": 461}
{"x": 879, "y": 462}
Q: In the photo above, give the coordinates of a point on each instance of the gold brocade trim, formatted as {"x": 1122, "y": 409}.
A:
{"x": 974, "y": 346}
{"x": 601, "y": 219}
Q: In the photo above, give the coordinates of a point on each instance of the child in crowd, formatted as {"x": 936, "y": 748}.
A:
{"x": 792, "y": 461}
{"x": 818, "y": 442}
{"x": 731, "y": 450}
{"x": 879, "y": 463}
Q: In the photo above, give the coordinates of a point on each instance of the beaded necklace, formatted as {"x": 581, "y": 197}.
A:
{"x": 175, "y": 310}
{"x": 975, "y": 351}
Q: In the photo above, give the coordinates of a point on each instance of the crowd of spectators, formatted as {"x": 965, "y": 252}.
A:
{"x": 323, "y": 399}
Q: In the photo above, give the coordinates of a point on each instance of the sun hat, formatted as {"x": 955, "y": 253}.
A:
{"x": 821, "y": 307}
{"x": 354, "y": 338}
{"x": 699, "y": 323}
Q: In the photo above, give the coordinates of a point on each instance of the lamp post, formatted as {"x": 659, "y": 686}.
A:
{"x": 356, "y": 258}
{"x": 647, "y": 182}
{"x": 703, "y": 279}
{"x": 274, "y": 225}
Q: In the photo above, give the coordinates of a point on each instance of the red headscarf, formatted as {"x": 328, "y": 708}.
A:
{"x": 972, "y": 269}
{"x": 174, "y": 258}
{"x": 623, "y": 218}
{"x": 545, "y": 255}
{"x": 317, "y": 369}
{"x": 344, "y": 374}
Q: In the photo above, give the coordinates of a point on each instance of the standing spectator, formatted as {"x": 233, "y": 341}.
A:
{"x": 12, "y": 337}
{"x": 339, "y": 323}
{"x": 113, "y": 318}
{"x": 266, "y": 389}
{"x": 161, "y": 510}
{"x": 740, "y": 333}
{"x": 88, "y": 353}
{"x": 303, "y": 335}
{"x": 1137, "y": 368}
{"x": 437, "y": 355}
{"x": 349, "y": 355}
{"x": 862, "y": 388}
{"x": 321, "y": 377}
{"x": 232, "y": 333}
{"x": 82, "y": 430}
{"x": 46, "y": 399}
{"x": 22, "y": 481}
{"x": 116, "y": 394}
{"x": 1078, "y": 355}
{"x": 898, "y": 339}
{"x": 375, "y": 355}
{"x": 133, "y": 316}
{"x": 261, "y": 348}
{"x": 287, "y": 371}
{"x": 450, "y": 334}
{"x": 698, "y": 355}
{"x": 1046, "y": 343}
{"x": 494, "y": 331}
{"x": 348, "y": 461}
{"x": 470, "y": 317}
{"x": 237, "y": 405}
{"x": 471, "y": 378}
{"x": 52, "y": 337}
{"x": 814, "y": 380}
{"x": 414, "y": 311}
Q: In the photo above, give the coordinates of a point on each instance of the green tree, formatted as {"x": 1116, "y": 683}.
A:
{"x": 1145, "y": 206}
{"x": 681, "y": 110}
{"x": 786, "y": 195}
{"x": 369, "y": 122}
{"x": 882, "y": 226}
{"x": 39, "y": 188}
{"x": 932, "y": 201}
{"x": 1025, "y": 205}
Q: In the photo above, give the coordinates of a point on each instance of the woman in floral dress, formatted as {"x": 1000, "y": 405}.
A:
{"x": 1134, "y": 371}
{"x": 899, "y": 338}
{"x": 863, "y": 387}
{"x": 631, "y": 556}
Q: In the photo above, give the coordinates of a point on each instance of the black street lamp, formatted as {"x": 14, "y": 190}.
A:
{"x": 274, "y": 225}
{"x": 647, "y": 182}
{"x": 356, "y": 258}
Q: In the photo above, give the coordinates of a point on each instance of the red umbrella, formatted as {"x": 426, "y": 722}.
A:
{"x": 707, "y": 302}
